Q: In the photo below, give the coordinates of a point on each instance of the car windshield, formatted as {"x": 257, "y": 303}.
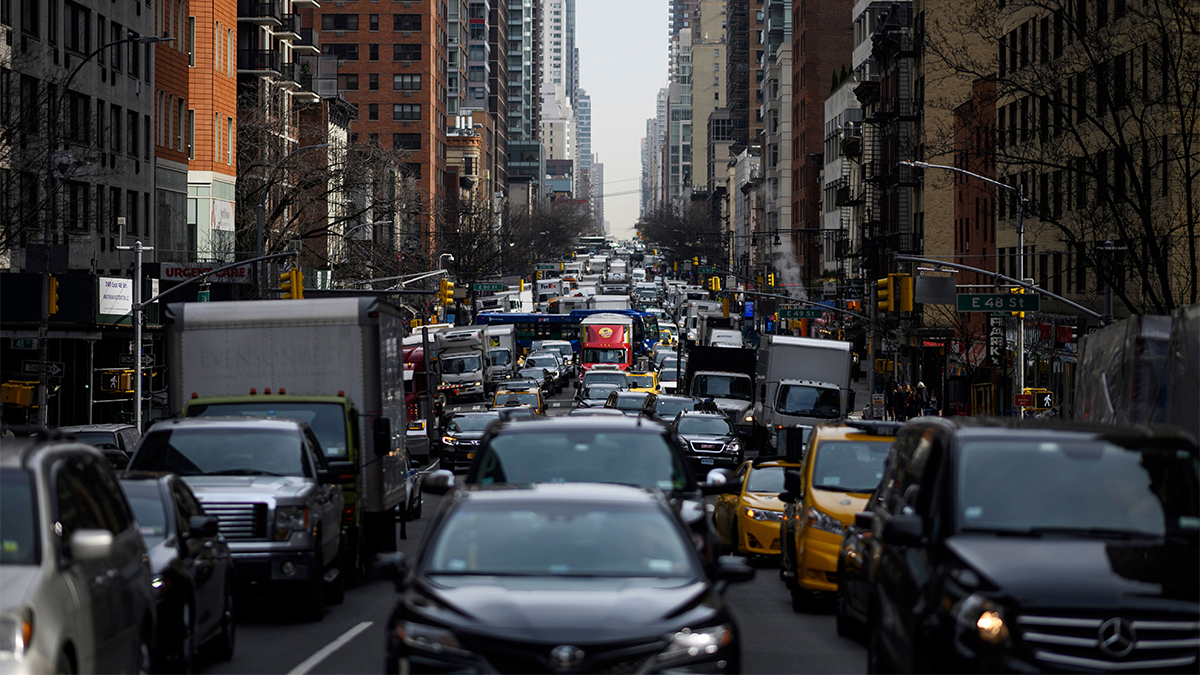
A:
{"x": 516, "y": 398}
{"x": 628, "y": 402}
{"x": 597, "y": 355}
{"x": 471, "y": 422}
{"x": 1034, "y": 486}
{"x": 457, "y": 365}
{"x": 148, "y": 509}
{"x": 18, "y": 527}
{"x": 723, "y": 386}
{"x": 538, "y": 374}
{"x": 546, "y": 362}
{"x": 849, "y": 466}
{"x": 219, "y": 451}
{"x": 500, "y": 357}
{"x": 601, "y": 377}
{"x": 765, "y": 479}
{"x": 96, "y": 439}
{"x": 642, "y": 458}
{"x": 641, "y": 381}
{"x": 800, "y": 399}
{"x": 667, "y": 375}
{"x": 598, "y": 391}
{"x": 327, "y": 420}
{"x": 708, "y": 426}
{"x": 668, "y": 408}
{"x": 566, "y": 350}
{"x": 556, "y": 539}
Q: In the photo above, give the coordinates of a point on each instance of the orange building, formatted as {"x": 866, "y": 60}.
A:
{"x": 174, "y": 129}
{"x": 212, "y": 162}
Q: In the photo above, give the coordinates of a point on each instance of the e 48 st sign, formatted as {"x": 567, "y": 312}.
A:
{"x": 998, "y": 302}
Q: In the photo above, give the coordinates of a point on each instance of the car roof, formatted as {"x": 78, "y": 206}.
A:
{"x": 605, "y": 423}
{"x": 674, "y": 397}
{"x": 699, "y": 413}
{"x": 846, "y": 432}
{"x": 95, "y": 427}
{"x": 473, "y": 413}
{"x": 629, "y": 393}
{"x": 281, "y": 423}
{"x": 560, "y": 493}
{"x": 16, "y": 453}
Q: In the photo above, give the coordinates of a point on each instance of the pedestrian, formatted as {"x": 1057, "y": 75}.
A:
{"x": 912, "y": 403}
{"x": 897, "y": 403}
{"x": 935, "y": 406}
{"x": 922, "y": 396}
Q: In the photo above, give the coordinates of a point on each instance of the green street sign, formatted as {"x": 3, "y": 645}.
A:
{"x": 202, "y": 296}
{"x": 707, "y": 270}
{"x": 488, "y": 287}
{"x": 796, "y": 313}
{"x": 999, "y": 302}
{"x": 22, "y": 343}
{"x": 548, "y": 267}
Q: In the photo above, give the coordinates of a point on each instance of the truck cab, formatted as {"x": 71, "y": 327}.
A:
{"x": 607, "y": 340}
{"x": 460, "y": 363}
{"x": 501, "y": 359}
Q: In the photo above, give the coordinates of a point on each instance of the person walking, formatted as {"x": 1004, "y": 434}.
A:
{"x": 912, "y": 403}
{"x": 897, "y": 401}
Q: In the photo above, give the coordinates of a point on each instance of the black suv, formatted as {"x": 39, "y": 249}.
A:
{"x": 664, "y": 408}
{"x": 1010, "y": 546}
{"x": 460, "y": 436}
{"x": 710, "y": 441}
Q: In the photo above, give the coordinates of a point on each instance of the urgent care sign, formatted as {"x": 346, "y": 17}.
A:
{"x": 185, "y": 271}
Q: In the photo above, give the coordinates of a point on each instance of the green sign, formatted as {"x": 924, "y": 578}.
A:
{"x": 795, "y": 313}
{"x": 488, "y": 287}
{"x": 548, "y": 267}
{"x": 22, "y": 343}
{"x": 707, "y": 270}
{"x": 999, "y": 302}
{"x": 202, "y": 296}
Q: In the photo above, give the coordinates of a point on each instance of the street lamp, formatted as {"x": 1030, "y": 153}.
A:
{"x": 262, "y": 204}
{"x": 52, "y": 180}
{"x": 1020, "y": 191}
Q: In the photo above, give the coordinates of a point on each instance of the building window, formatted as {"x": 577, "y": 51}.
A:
{"x": 191, "y": 41}
{"x": 339, "y": 22}
{"x": 406, "y": 22}
{"x": 406, "y": 111}
{"x": 374, "y": 22}
{"x": 373, "y": 52}
{"x": 373, "y": 82}
{"x": 406, "y": 141}
{"x": 406, "y": 52}
{"x": 348, "y": 82}
{"x": 344, "y": 52}
{"x": 373, "y": 111}
{"x": 77, "y": 31}
{"x": 191, "y": 134}
{"x": 406, "y": 82}
{"x": 229, "y": 141}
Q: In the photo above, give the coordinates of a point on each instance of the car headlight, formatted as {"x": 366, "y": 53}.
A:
{"x": 16, "y": 633}
{"x": 429, "y": 638}
{"x": 289, "y": 519}
{"x": 449, "y": 440}
{"x": 824, "y": 521}
{"x": 749, "y": 417}
{"x": 688, "y": 644}
{"x": 733, "y": 447}
{"x": 160, "y": 584}
{"x": 979, "y": 617}
{"x": 763, "y": 514}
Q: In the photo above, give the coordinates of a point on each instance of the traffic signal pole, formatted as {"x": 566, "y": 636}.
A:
{"x": 137, "y": 249}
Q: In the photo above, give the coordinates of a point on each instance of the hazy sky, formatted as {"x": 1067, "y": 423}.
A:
{"x": 622, "y": 65}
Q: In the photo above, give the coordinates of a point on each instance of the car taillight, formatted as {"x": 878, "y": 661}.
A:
{"x": 348, "y": 516}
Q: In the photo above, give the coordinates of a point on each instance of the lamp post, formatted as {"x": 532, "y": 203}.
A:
{"x": 54, "y": 170}
{"x": 262, "y": 206}
{"x": 1020, "y": 191}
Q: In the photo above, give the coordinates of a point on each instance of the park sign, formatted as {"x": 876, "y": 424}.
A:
{"x": 488, "y": 287}
{"x": 999, "y": 302}
{"x": 798, "y": 313}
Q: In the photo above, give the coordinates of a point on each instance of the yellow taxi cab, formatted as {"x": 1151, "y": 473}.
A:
{"x": 519, "y": 396}
{"x": 666, "y": 337}
{"x": 747, "y": 522}
{"x": 644, "y": 382}
{"x": 842, "y": 466}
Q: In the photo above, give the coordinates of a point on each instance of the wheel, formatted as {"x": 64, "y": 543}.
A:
{"x": 312, "y": 599}
{"x": 734, "y": 541}
{"x": 222, "y": 644}
{"x": 65, "y": 663}
{"x": 335, "y": 591}
{"x": 420, "y": 503}
{"x": 352, "y": 560}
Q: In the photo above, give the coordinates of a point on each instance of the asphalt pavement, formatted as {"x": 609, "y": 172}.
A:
{"x": 351, "y": 637}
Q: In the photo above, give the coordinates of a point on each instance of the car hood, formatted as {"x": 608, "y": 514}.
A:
{"x": 1078, "y": 572}
{"x": 768, "y": 501}
{"x": 217, "y": 487}
{"x": 567, "y": 611}
{"x": 465, "y": 435}
{"x": 732, "y": 405}
{"x": 840, "y": 505}
{"x": 18, "y": 584}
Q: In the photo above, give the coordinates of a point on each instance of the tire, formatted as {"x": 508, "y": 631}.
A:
{"x": 420, "y": 503}
{"x": 222, "y": 645}
{"x": 734, "y": 540}
{"x": 352, "y": 558}
{"x": 311, "y": 599}
{"x": 65, "y": 663}
{"x": 335, "y": 591}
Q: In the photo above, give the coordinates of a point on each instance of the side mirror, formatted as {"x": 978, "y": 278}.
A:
{"x": 91, "y": 544}
{"x": 339, "y": 473}
{"x": 392, "y": 567}
{"x": 864, "y": 520}
{"x": 382, "y": 436}
{"x": 203, "y": 527}
{"x": 905, "y": 529}
{"x": 732, "y": 569}
{"x": 439, "y": 482}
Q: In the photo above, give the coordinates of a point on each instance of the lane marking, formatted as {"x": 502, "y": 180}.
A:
{"x": 311, "y": 662}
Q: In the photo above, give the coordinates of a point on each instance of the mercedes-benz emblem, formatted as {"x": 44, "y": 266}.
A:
{"x": 1117, "y": 637}
{"x": 565, "y": 657}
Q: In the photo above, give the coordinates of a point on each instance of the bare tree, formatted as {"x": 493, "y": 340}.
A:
{"x": 1099, "y": 119}
{"x": 683, "y": 229}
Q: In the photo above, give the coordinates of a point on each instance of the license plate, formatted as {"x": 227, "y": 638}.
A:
{"x": 470, "y": 455}
{"x": 706, "y": 461}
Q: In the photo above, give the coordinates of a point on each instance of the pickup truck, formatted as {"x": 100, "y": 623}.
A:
{"x": 277, "y": 500}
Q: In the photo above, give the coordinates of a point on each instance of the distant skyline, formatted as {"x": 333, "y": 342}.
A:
{"x": 622, "y": 65}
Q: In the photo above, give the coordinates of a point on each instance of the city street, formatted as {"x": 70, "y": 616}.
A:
{"x": 350, "y": 639}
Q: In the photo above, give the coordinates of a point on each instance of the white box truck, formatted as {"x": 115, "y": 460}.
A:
{"x": 460, "y": 364}
{"x": 801, "y": 381}
{"x": 501, "y": 361}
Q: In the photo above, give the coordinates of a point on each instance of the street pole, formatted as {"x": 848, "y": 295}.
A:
{"x": 1020, "y": 315}
{"x": 137, "y": 249}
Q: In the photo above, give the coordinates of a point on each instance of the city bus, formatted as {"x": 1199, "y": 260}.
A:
{"x": 530, "y": 327}
{"x": 645, "y": 326}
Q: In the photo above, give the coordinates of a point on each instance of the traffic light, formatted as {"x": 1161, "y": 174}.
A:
{"x": 446, "y": 292}
{"x": 885, "y": 294}
{"x": 291, "y": 284}
{"x": 1021, "y": 290}
{"x": 771, "y": 279}
{"x": 52, "y": 297}
{"x": 714, "y": 283}
{"x": 905, "y": 292}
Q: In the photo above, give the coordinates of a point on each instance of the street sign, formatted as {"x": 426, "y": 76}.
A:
{"x": 22, "y": 343}
{"x": 1024, "y": 400}
{"x": 706, "y": 270}
{"x": 830, "y": 289}
{"x": 999, "y": 302}
{"x": 127, "y": 360}
{"x": 53, "y": 368}
{"x": 488, "y": 287}
{"x": 795, "y": 313}
{"x": 202, "y": 296}
{"x": 547, "y": 267}
{"x": 877, "y": 406}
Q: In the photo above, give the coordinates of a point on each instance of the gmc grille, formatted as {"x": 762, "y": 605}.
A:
{"x": 239, "y": 521}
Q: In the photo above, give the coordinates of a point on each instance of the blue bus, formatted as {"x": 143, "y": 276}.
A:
{"x": 528, "y": 327}
{"x": 645, "y": 326}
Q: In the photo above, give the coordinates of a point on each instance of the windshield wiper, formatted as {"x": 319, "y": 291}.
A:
{"x": 242, "y": 472}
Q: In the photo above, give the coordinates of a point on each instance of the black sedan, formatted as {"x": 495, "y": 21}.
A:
{"x": 628, "y": 402}
{"x": 193, "y": 571}
{"x": 460, "y": 437}
{"x": 543, "y": 376}
{"x": 710, "y": 441}
{"x": 594, "y": 395}
{"x": 561, "y": 578}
